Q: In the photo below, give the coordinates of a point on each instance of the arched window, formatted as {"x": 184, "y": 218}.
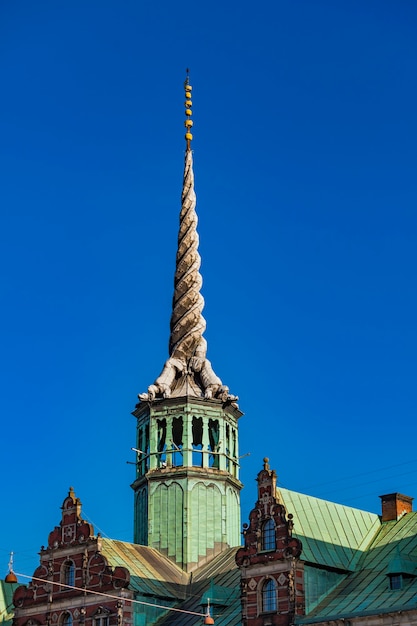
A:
{"x": 66, "y": 619}
{"x": 268, "y": 535}
{"x": 68, "y": 573}
{"x": 269, "y": 596}
{"x": 197, "y": 442}
{"x": 177, "y": 442}
{"x": 214, "y": 439}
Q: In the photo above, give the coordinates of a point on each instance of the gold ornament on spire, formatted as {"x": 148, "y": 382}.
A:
{"x": 187, "y": 371}
{"x": 188, "y": 111}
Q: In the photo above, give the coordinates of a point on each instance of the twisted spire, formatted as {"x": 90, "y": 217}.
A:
{"x": 187, "y": 371}
{"x": 187, "y": 322}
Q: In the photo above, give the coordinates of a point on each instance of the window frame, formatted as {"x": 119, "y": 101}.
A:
{"x": 268, "y": 538}
{"x": 396, "y": 582}
{"x": 68, "y": 573}
{"x": 101, "y": 617}
{"x": 66, "y": 619}
{"x": 269, "y": 596}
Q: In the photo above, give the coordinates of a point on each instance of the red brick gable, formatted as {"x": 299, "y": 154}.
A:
{"x": 272, "y": 587}
{"x": 74, "y": 578}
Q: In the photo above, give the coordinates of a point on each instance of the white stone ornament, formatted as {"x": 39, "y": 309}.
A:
{"x": 188, "y": 371}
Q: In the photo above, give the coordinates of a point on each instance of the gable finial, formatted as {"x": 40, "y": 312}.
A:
{"x": 11, "y": 576}
{"x": 207, "y": 618}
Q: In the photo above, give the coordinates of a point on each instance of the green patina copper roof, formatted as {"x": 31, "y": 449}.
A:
{"x": 222, "y": 576}
{"x": 217, "y": 595}
{"x": 401, "y": 565}
{"x": 155, "y": 579}
{"x": 367, "y": 590}
{"x": 332, "y": 535}
{"x": 157, "y": 575}
{"x": 349, "y": 557}
{"x": 6, "y": 601}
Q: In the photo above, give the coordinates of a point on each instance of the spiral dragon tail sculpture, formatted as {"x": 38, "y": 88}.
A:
{"x": 187, "y": 321}
{"x": 187, "y": 371}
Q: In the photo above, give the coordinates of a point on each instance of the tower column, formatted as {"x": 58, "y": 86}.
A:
{"x": 222, "y": 446}
{"x": 206, "y": 443}
{"x": 153, "y": 438}
{"x": 188, "y": 439}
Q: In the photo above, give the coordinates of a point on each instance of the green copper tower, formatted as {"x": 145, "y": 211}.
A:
{"x": 187, "y": 488}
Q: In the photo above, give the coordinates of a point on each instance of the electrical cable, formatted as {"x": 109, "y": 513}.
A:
{"x": 108, "y": 595}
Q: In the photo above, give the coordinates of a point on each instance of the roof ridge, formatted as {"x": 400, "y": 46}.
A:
{"x": 334, "y": 504}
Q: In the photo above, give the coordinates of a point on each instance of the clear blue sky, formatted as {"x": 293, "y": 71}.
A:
{"x": 305, "y": 164}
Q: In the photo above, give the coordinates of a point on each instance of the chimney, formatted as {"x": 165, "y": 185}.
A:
{"x": 395, "y": 505}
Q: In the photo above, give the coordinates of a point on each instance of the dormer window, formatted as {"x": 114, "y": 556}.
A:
{"x": 268, "y": 535}
{"x": 400, "y": 569}
{"x": 395, "y": 581}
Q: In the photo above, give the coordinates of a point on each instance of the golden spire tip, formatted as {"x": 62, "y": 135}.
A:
{"x": 188, "y": 110}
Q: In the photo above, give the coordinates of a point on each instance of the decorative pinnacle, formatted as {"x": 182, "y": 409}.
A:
{"x": 188, "y": 111}
{"x": 187, "y": 370}
{"x": 187, "y": 322}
